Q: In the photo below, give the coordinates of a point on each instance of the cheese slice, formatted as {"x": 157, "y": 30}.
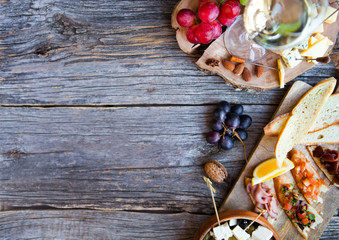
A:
{"x": 281, "y": 73}
{"x": 320, "y": 29}
{"x": 329, "y": 11}
{"x": 316, "y": 50}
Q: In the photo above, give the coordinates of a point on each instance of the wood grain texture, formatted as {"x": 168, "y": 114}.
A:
{"x": 106, "y": 53}
{"x": 100, "y": 109}
{"x": 106, "y": 158}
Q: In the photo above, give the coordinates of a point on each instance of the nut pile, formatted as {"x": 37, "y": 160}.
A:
{"x": 240, "y": 68}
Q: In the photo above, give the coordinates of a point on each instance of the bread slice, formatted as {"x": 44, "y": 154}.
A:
{"x": 274, "y": 127}
{"x": 269, "y": 218}
{"x": 299, "y": 159}
{"x": 279, "y": 182}
{"x": 329, "y": 135}
{"x": 320, "y": 165}
{"x": 328, "y": 116}
{"x": 302, "y": 117}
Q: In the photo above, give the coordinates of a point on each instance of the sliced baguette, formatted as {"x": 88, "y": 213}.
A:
{"x": 288, "y": 179}
{"x": 302, "y": 117}
{"x": 295, "y": 155}
{"x": 329, "y": 135}
{"x": 328, "y": 116}
{"x": 320, "y": 165}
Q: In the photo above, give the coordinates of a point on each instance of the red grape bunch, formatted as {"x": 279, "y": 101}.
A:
{"x": 211, "y": 16}
{"x": 228, "y": 123}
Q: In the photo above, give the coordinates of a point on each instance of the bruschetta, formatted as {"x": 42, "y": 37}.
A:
{"x": 327, "y": 159}
{"x": 307, "y": 178}
{"x": 302, "y": 215}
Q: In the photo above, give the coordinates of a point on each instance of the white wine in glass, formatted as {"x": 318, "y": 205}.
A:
{"x": 274, "y": 25}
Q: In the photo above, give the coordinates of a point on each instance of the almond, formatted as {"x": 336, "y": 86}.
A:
{"x": 246, "y": 75}
{"x": 259, "y": 70}
{"x": 215, "y": 171}
{"x": 238, "y": 69}
{"x": 228, "y": 65}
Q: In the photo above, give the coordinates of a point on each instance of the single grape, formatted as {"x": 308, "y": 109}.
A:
{"x": 242, "y": 134}
{"x": 243, "y": 2}
{"x": 219, "y": 115}
{"x": 186, "y": 18}
{"x": 232, "y": 120}
{"x": 237, "y": 108}
{"x": 191, "y": 37}
{"x": 216, "y": 29}
{"x": 204, "y": 33}
{"x": 226, "y": 106}
{"x": 216, "y": 125}
{"x": 225, "y": 21}
{"x": 227, "y": 142}
{"x": 212, "y": 137}
{"x": 208, "y": 12}
{"x": 230, "y": 9}
{"x": 245, "y": 121}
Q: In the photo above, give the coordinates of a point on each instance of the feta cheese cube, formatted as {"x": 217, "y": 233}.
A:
{"x": 292, "y": 59}
{"x": 240, "y": 234}
{"x": 222, "y": 232}
{"x": 262, "y": 233}
{"x": 233, "y": 222}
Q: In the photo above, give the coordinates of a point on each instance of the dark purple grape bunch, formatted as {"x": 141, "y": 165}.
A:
{"x": 228, "y": 123}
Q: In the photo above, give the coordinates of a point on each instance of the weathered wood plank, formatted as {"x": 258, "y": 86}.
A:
{"x": 84, "y": 224}
{"x": 129, "y": 158}
{"x": 108, "y": 53}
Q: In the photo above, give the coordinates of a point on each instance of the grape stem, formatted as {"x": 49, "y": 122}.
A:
{"x": 234, "y": 133}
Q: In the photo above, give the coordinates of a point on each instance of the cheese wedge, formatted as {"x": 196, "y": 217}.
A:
{"x": 329, "y": 11}
{"x": 316, "y": 50}
{"x": 297, "y": 125}
{"x": 312, "y": 40}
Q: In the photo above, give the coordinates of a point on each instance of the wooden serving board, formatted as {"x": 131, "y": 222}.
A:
{"x": 238, "y": 197}
{"x": 217, "y": 50}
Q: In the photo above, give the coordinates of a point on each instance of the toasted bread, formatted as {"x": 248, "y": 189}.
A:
{"x": 328, "y": 116}
{"x": 302, "y": 117}
{"x": 288, "y": 179}
{"x": 299, "y": 159}
{"x": 320, "y": 165}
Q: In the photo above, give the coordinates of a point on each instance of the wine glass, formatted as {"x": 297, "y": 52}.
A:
{"x": 273, "y": 24}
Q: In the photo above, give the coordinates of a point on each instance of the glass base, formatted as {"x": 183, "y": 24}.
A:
{"x": 238, "y": 43}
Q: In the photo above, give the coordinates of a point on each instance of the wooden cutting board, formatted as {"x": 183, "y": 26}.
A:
{"x": 218, "y": 51}
{"x": 238, "y": 197}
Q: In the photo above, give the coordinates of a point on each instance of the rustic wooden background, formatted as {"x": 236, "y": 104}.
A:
{"x": 103, "y": 121}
